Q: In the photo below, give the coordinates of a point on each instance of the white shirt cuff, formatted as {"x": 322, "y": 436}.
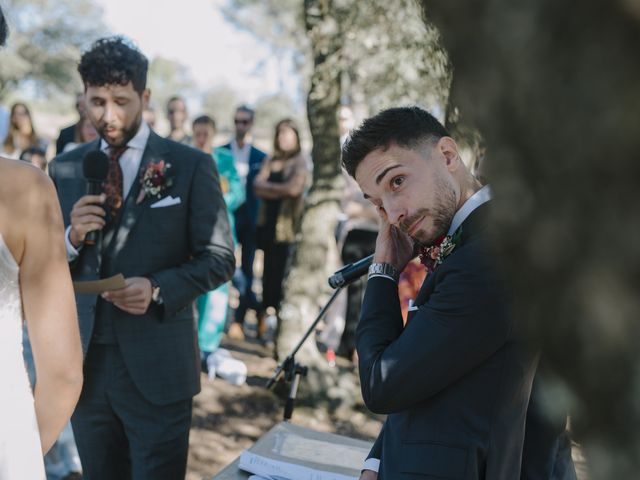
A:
{"x": 382, "y": 275}
{"x": 372, "y": 464}
{"x": 72, "y": 253}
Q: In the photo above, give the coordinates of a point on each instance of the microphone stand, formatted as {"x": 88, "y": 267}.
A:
{"x": 293, "y": 370}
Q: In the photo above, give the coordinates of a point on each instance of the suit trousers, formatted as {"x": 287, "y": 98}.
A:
{"x": 246, "y": 235}
{"x": 120, "y": 434}
{"x": 547, "y": 445}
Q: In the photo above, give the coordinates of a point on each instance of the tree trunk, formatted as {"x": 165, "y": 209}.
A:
{"x": 554, "y": 87}
{"x": 469, "y": 139}
{"x": 306, "y": 289}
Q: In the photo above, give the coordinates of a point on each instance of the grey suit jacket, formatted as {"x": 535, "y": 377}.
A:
{"x": 456, "y": 380}
{"x": 186, "y": 247}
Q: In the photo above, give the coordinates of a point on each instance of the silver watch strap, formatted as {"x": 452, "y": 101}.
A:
{"x": 385, "y": 270}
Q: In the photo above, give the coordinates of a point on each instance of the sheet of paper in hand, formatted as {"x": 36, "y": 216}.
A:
{"x": 96, "y": 287}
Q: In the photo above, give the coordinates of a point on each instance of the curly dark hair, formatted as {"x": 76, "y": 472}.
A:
{"x": 114, "y": 61}
{"x": 406, "y": 127}
{"x": 4, "y": 29}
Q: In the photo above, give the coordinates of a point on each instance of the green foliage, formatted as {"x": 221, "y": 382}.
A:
{"x": 45, "y": 43}
{"x": 392, "y": 58}
{"x": 168, "y": 78}
{"x": 279, "y": 22}
{"x": 220, "y": 102}
{"x": 271, "y": 109}
{"x": 388, "y": 57}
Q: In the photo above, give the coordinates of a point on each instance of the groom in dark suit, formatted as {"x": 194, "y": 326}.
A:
{"x": 163, "y": 224}
{"x": 456, "y": 379}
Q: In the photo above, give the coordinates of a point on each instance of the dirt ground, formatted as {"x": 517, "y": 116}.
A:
{"x": 228, "y": 419}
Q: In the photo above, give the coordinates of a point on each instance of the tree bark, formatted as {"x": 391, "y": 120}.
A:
{"x": 306, "y": 289}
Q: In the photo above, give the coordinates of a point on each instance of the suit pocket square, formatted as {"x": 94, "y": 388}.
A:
{"x": 166, "y": 202}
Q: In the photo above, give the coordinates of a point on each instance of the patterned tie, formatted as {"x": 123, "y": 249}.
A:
{"x": 113, "y": 185}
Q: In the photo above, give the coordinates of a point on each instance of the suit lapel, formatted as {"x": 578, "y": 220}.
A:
{"x": 474, "y": 223}
{"x": 427, "y": 287}
{"x": 154, "y": 151}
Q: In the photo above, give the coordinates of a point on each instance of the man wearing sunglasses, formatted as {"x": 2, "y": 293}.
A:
{"x": 248, "y": 160}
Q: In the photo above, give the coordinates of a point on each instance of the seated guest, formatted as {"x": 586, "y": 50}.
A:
{"x": 455, "y": 382}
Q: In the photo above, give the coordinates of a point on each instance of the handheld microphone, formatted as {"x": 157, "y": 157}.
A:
{"x": 351, "y": 272}
{"x": 95, "y": 167}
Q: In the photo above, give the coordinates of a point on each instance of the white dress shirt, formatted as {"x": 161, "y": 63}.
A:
{"x": 481, "y": 196}
{"x": 130, "y": 165}
{"x": 241, "y": 156}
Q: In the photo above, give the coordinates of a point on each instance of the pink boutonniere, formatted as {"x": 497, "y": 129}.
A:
{"x": 434, "y": 255}
{"x": 154, "y": 180}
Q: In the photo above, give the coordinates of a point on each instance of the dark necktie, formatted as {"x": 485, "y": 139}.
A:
{"x": 113, "y": 186}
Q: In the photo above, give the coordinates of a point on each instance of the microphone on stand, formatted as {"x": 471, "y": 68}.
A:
{"x": 95, "y": 167}
{"x": 351, "y": 272}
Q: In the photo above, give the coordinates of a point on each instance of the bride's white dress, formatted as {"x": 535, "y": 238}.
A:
{"x": 20, "y": 451}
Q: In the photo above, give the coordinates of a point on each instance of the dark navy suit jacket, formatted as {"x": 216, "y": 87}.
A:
{"x": 67, "y": 135}
{"x": 455, "y": 382}
{"x": 187, "y": 248}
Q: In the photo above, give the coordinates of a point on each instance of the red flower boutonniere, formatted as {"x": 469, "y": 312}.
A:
{"x": 434, "y": 255}
{"x": 154, "y": 180}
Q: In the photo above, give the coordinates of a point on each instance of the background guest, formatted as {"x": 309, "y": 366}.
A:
{"x": 70, "y": 134}
{"x": 22, "y": 133}
{"x": 248, "y": 160}
{"x": 280, "y": 184}
{"x": 4, "y": 122}
{"x": 35, "y": 156}
{"x": 213, "y": 306}
{"x": 357, "y": 233}
{"x": 149, "y": 116}
{"x": 177, "y": 116}
{"x": 84, "y": 132}
{"x": 356, "y": 240}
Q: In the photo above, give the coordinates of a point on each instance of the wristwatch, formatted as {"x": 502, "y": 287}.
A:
{"x": 384, "y": 270}
{"x": 156, "y": 296}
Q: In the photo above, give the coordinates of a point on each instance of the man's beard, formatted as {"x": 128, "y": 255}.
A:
{"x": 440, "y": 215}
{"x": 127, "y": 133}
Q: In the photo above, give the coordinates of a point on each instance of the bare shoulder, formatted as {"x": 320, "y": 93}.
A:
{"x": 23, "y": 187}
